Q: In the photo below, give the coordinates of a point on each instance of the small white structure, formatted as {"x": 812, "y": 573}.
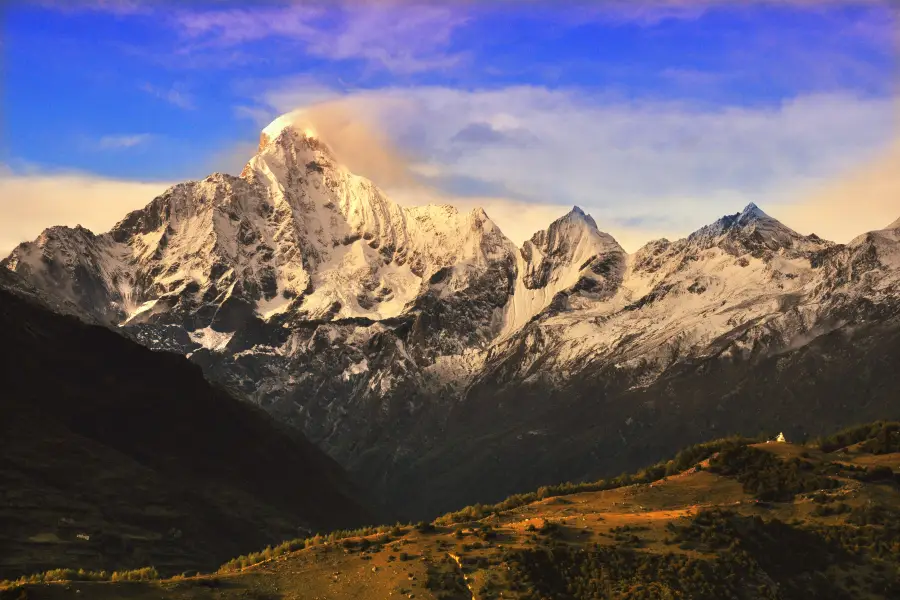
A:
{"x": 780, "y": 439}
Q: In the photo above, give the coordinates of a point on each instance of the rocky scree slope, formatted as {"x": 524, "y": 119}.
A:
{"x": 400, "y": 339}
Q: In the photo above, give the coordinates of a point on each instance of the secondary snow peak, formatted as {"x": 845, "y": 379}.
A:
{"x": 576, "y": 214}
{"x": 752, "y": 230}
{"x": 752, "y": 211}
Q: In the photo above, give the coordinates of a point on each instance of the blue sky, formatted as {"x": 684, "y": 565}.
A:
{"x": 655, "y": 115}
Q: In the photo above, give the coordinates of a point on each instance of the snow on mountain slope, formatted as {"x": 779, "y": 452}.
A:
{"x": 299, "y": 239}
{"x": 296, "y": 233}
{"x": 571, "y": 258}
{"x": 871, "y": 260}
{"x": 732, "y": 289}
{"x": 301, "y": 287}
{"x": 77, "y": 267}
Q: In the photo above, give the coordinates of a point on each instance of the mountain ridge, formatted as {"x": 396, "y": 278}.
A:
{"x": 302, "y": 288}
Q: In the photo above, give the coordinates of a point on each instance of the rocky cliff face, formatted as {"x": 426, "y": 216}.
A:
{"x": 400, "y": 338}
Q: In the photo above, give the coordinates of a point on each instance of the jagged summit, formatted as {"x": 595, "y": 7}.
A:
{"x": 754, "y": 216}
{"x": 750, "y": 212}
{"x": 293, "y": 121}
{"x": 574, "y": 229}
{"x": 747, "y": 217}
{"x": 287, "y": 144}
{"x": 278, "y": 125}
{"x": 751, "y": 230}
{"x": 570, "y": 258}
{"x": 577, "y": 214}
{"x": 297, "y": 235}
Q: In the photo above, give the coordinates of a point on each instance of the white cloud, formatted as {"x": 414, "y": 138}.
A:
{"x": 652, "y": 12}
{"x": 172, "y": 95}
{"x": 259, "y": 115}
{"x": 401, "y": 37}
{"x": 115, "y": 7}
{"x": 231, "y": 26}
{"x": 662, "y": 167}
{"x": 30, "y": 203}
{"x": 118, "y": 142}
{"x": 649, "y": 170}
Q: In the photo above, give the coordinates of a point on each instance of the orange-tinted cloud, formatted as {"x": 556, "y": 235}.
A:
{"x": 865, "y": 199}
{"x": 357, "y": 144}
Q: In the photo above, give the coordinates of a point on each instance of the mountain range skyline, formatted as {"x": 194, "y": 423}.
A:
{"x": 525, "y": 112}
{"x": 383, "y": 331}
{"x": 450, "y": 299}
{"x": 288, "y": 120}
{"x": 295, "y": 122}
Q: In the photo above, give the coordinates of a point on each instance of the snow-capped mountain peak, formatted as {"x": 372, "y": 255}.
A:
{"x": 752, "y": 230}
{"x": 569, "y": 241}
{"x": 296, "y": 236}
{"x": 290, "y": 121}
{"x": 751, "y": 212}
{"x": 285, "y": 145}
{"x": 273, "y": 129}
{"x": 574, "y": 225}
{"x": 577, "y": 214}
{"x": 571, "y": 258}
{"x": 748, "y": 217}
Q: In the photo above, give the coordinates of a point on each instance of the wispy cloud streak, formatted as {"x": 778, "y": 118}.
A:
{"x": 171, "y": 95}
{"x": 119, "y": 142}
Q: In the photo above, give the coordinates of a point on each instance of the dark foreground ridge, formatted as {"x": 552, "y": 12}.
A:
{"x": 116, "y": 457}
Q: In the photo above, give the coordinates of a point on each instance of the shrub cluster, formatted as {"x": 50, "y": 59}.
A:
{"x": 385, "y": 533}
{"x": 751, "y": 558}
{"x": 55, "y": 575}
{"x": 768, "y": 477}
{"x": 827, "y": 510}
{"x": 880, "y": 437}
{"x": 617, "y": 572}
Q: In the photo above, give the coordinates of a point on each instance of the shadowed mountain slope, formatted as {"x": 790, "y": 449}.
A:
{"x": 116, "y": 456}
